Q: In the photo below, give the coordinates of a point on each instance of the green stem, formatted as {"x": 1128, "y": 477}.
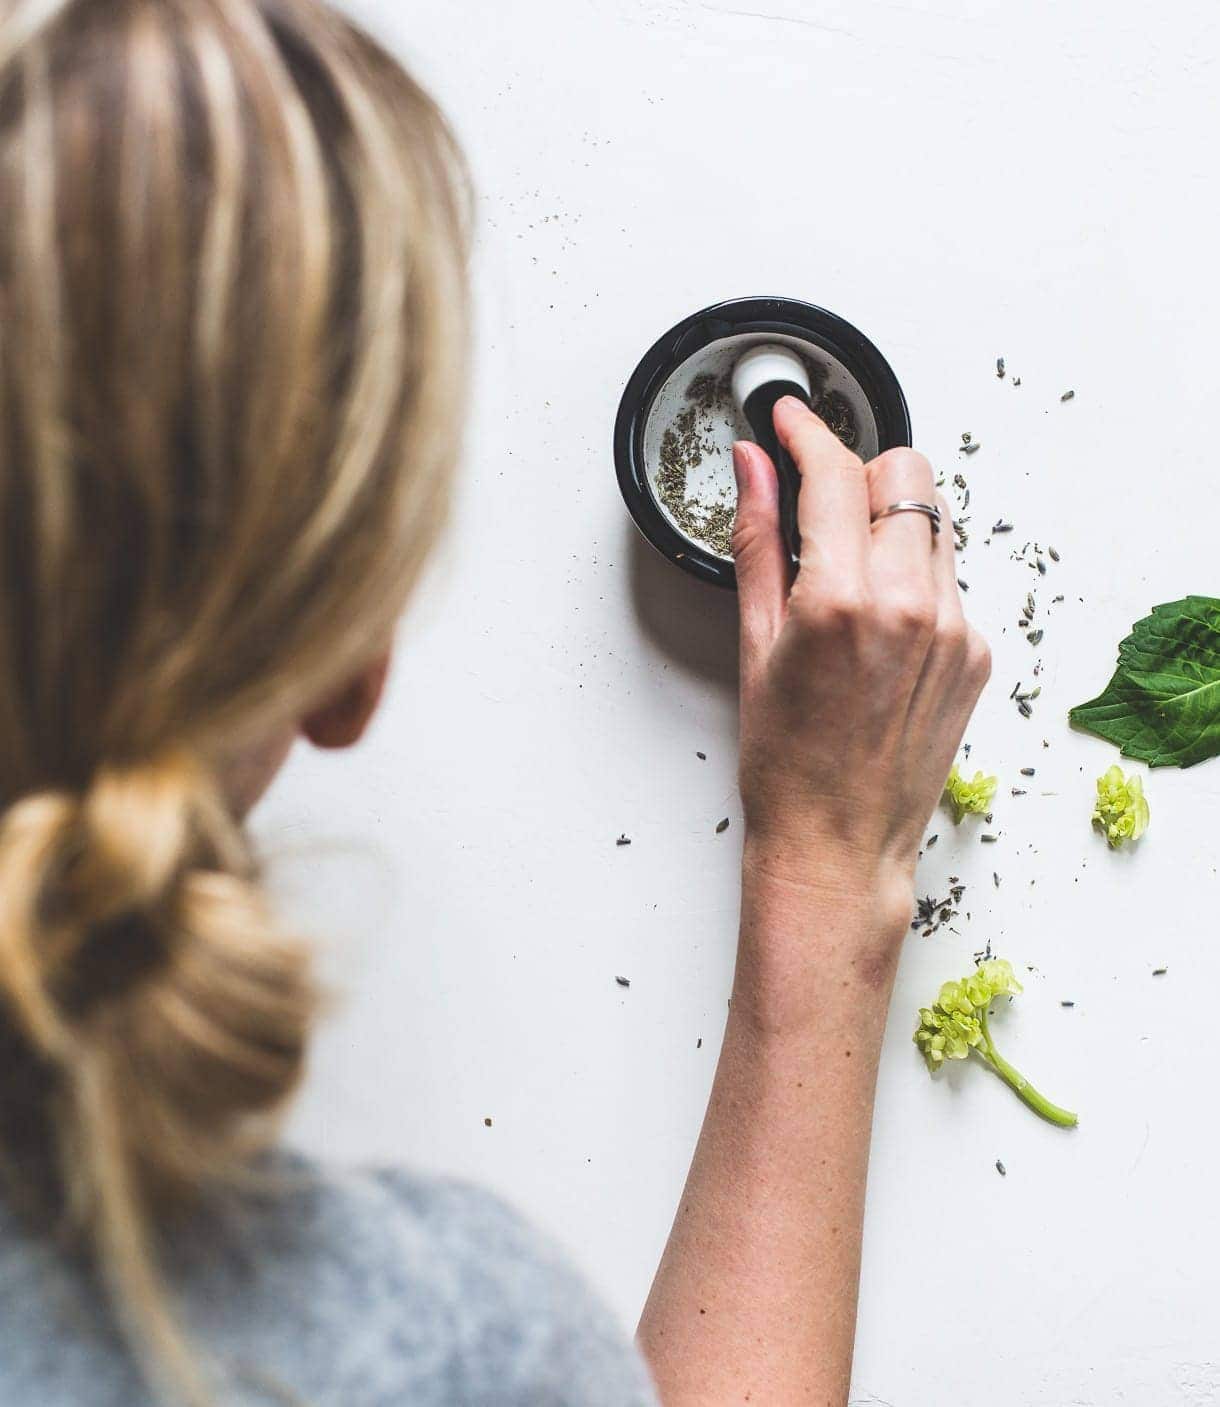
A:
{"x": 1020, "y": 1086}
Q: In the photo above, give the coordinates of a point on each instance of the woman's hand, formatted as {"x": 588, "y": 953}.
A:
{"x": 857, "y": 684}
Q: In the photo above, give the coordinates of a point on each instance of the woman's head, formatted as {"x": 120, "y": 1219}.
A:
{"x": 231, "y": 342}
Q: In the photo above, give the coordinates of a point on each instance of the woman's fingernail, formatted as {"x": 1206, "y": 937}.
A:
{"x": 741, "y": 463}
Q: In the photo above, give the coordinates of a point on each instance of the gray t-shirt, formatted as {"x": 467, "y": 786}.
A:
{"x": 375, "y": 1289}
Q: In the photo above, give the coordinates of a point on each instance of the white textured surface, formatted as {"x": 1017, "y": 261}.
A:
{"x": 1036, "y": 180}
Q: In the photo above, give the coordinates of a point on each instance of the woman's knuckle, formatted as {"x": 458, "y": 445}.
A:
{"x": 911, "y": 616}
{"x": 953, "y": 636}
{"x": 978, "y": 657}
{"x": 747, "y": 532}
{"x": 904, "y": 463}
{"x": 839, "y": 608}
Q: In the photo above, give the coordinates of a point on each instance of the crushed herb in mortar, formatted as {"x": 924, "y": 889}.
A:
{"x": 687, "y": 442}
{"x": 683, "y": 447}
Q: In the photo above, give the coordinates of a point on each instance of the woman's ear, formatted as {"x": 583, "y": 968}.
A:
{"x": 342, "y": 719}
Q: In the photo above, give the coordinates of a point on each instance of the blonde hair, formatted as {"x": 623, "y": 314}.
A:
{"x": 232, "y": 336}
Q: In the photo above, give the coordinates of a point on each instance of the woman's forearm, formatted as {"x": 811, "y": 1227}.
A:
{"x": 857, "y": 680}
{"x": 755, "y": 1297}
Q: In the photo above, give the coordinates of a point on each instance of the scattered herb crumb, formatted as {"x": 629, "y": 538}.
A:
{"x": 1035, "y": 637}
{"x": 722, "y": 826}
{"x": 932, "y": 914}
{"x": 702, "y": 756}
{"x": 1052, "y": 554}
{"x": 1028, "y": 771}
{"x": 1159, "y": 971}
{"x": 623, "y": 981}
{"x": 1067, "y": 1003}
{"x": 999, "y": 366}
{"x": 487, "y": 1123}
{"x": 1000, "y": 1168}
{"x": 1068, "y": 396}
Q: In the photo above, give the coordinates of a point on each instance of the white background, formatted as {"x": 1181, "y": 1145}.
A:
{"x": 963, "y": 179}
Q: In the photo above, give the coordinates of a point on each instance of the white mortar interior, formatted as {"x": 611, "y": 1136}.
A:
{"x": 713, "y": 477}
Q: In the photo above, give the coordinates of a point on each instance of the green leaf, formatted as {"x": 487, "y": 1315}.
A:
{"x": 1163, "y": 704}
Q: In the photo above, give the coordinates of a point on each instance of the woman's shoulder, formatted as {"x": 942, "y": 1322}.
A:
{"x": 362, "y": 1288}
{"x": 433, "y": 1283}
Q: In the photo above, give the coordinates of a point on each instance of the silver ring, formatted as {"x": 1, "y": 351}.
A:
{"x": 909, "y": 505}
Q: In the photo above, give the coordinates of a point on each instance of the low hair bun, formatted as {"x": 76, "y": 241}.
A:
{"x": 89, "y": 888}
{"x": 160, "y": 1015}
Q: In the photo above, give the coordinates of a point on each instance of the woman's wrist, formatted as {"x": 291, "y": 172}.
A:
{"x": 819, "y": 943}
{"x": 820, "y": 876}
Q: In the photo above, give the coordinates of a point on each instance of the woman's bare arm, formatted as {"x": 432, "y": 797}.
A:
{"x": 856, "y": 687}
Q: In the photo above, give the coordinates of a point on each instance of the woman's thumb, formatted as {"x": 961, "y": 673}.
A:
{"x": 759, "y": 555}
